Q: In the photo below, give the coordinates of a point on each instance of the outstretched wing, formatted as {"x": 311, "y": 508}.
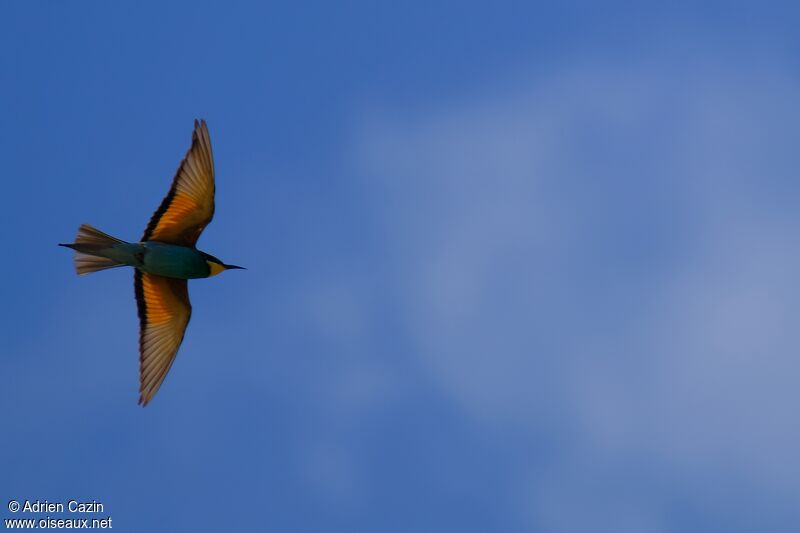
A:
{"x": 189, "y": 205}
{"x": 164, "y": 312}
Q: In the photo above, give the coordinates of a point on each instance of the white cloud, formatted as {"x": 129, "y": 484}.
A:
{"x": 608, "y": 254}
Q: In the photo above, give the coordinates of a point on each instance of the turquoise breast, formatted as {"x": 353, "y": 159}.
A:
{"x": 173, "y": 261}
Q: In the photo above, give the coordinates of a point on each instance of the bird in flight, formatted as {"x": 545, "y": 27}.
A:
{"x": 163, "y": 261}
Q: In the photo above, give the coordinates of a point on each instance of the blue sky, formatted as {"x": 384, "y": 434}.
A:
{"x": 512, "y": 267}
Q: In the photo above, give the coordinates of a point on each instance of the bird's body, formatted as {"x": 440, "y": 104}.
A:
{"x": 160, "y": 258}
{"x": 164, "y": 259}
{"x": 175, "y": 261}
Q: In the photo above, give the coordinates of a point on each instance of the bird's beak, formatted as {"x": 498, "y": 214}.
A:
{"x": 234, "y": 267}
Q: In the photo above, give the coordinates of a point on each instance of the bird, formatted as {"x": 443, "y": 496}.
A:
{"x": 164, "y": 259}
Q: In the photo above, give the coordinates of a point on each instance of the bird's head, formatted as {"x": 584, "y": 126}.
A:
{"x": 215, "y": 266}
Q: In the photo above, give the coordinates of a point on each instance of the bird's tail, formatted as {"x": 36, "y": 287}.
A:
{"x": 89, "y": 245}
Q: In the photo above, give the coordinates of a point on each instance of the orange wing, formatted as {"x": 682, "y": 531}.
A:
{"x": 164, "y": 313}
{"x": 189, "y": 205}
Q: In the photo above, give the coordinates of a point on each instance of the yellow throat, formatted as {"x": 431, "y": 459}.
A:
{"x": 214, "y": 268}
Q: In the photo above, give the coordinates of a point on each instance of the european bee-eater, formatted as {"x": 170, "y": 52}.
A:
{"x": 163, "y": 260}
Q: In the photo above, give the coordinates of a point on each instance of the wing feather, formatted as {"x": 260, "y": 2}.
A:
{"x": 164, "y": 313}
{"x": 189, "y": 205}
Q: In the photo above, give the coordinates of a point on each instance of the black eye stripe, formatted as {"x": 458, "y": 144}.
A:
{"x": 209, "y": 257}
